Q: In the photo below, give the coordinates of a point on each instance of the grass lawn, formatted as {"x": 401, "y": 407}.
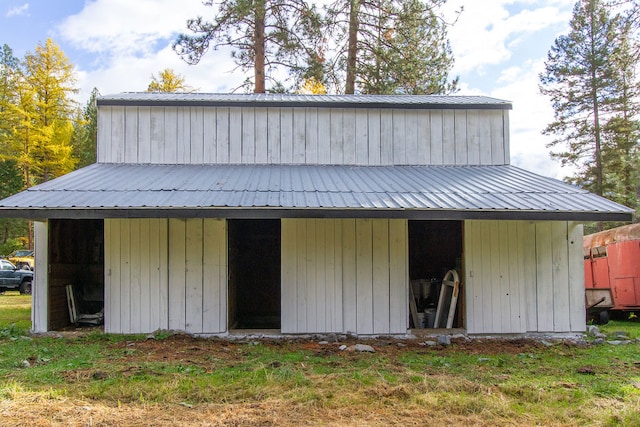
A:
{"x": 89, "y": 378}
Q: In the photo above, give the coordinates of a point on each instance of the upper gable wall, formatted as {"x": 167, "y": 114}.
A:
{"x": 302, "y": 135}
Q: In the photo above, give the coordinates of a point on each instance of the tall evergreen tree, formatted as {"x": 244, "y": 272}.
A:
{"x": 390, "y": 47}
{"x": 85, "y": 136}
{"x": 264, "y": 35}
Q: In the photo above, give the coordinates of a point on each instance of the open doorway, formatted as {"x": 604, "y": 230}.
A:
{"x": 254, "y": 274}
{"x": 76, "y": 265}
{"x": 435, "y": 247}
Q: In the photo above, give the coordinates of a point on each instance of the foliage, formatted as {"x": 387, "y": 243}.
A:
{"x": 312, "y": 86}
{"x": 264, "y": 35}
{"x": 168, "y": 81}
{"x": 85, "y": 133}
{"x": 390, "y": 47}
{"x": 590, "y": 77}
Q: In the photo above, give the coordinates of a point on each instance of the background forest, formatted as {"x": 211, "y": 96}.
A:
{"x": 350, "y": 47}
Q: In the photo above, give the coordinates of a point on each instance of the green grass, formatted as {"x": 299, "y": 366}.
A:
{"x": 556, "y": 385}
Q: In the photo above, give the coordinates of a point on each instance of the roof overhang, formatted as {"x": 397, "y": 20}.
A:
{"x": 309, "y": 191}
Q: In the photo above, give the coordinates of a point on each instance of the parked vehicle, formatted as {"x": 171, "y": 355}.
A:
{"x": 13, "y": 278}
{"x": 612, "y": 271}
{"x": 22, "y": 258}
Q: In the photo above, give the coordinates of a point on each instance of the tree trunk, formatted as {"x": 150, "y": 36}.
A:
{"x": 352, "y": 49}
{"x": 259, "y": 72}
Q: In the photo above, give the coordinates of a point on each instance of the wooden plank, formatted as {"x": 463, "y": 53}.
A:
{"x": 485, "y": 279}
{"x": 197, "y": 136}
{"x": 209, "y": 135}
{"x": 560, "y": 267}
{"x": 310, "y": 282}
{"x": 210, "y": 275}
{"x": 320, "y": 279}
{"x": 336, "y": 137}
{"x": 506, "y": 137}
{"x": 104, "y": 144}
{"x": 324, "y": 138}
{"x": 118, "y": 134}
{"x": 530, "y": 280}
{"x": 223, "y": 277}
{"x": 163, "y": 270}
{"x": 288, "y": 295}
{"x": 125, "y": 276}
{"x": 364, "y": 276}
{"x": 386, "y": 137}
{"x": 164, "y": 134}
{"x": 330, "y": 314}
{"x": 152, "y": 285}
{"x": 177, "y": 264}
{"x": 399, "y": 137}
{"x": 436, "y": 129}
{"x": 507, "y": 282}
{"x": 544, "y": 277}
{"x": 273, "y": 135}
{"x": 235, "y": 135}
{"x": 349, "y": 136}
{"x": 523, "y": 259}
{"x": 248, "y": 145}
{"x": 156, "y": 145}
{"x": 473, "y": 138}
{"x": 461, "y": 137}
{"x": 373, "y": 136}
{"x": 471, "y": 243}
{"x": 497, "y": 139}
{"x": 312, "y": 135}
{"x": 184, "y": 136}
{"x": 286, "y": 135}
{"x": 576, "y": 278}
{"x": 448, "y": 137}
{"x": 349, "y": 323}
{"x": 114, "y": 296}
{"x": 261, "y": 135}
{"x": 299, "y": 136}
{"x": 222, "y": 135}
{"x": 515, "y": 268}
{"x": 380, "y": 279}
{"x": 138, "y": 309}
{"x": 424, "y": 138}
{"x": 484, "y": 135}
{"x": 194, "y": 275}
{"x": 302, "y": 316}
{"x": 128, "y": 141}
{"x": 40, "y": 288}
{"x": 361, "y": 137}
{"x": 411, "y": 136}
{"x": 495, "y": 309}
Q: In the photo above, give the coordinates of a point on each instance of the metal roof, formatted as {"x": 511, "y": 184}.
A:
{"x": 275, "y": 191}
{"x": 317, "y": 101}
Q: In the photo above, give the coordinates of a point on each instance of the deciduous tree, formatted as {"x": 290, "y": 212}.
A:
{"x": 168, "y": 81}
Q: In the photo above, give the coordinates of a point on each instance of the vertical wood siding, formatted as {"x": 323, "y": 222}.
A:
{"x": 40, "y": 287}
{"x": 347, "y": 275}
{"x": 523, "y": 277}
{"x": 248, "y": 135}
{"x": 165, "y": 274}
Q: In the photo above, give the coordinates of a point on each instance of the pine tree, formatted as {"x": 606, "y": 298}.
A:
{"x": 264, "y": 35}
{"x": 85, "y": 134}
{"x": 390, "y": 47}
{"x": 591, "y": 81}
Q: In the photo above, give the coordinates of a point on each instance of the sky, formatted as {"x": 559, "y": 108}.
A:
{"x": 499, "y": 48}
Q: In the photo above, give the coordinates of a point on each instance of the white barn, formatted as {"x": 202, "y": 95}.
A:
{"x": 307, "y": 214}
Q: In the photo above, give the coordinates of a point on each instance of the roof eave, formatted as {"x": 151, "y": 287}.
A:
{"x": 267, "y": 213}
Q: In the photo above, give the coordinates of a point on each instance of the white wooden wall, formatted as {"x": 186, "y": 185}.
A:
{"x": 40, "y": 287}
{"x": 165, "y": 274}
{"x": 344, "y": 275}
{"x": 523, "y": 277}
{"x": 248, "y": 135}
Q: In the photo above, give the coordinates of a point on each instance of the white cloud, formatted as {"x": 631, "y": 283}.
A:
{"x": 486, "y": 34}
{"x": 18, "y": 11}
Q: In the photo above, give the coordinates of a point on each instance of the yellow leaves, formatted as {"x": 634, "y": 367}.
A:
{"x": 168, "y": 81}
{"x": 312, "y": 86}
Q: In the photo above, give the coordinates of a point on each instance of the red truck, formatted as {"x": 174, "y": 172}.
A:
{"x": 612, "y": 271}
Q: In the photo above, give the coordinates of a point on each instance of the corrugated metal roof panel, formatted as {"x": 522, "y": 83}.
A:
{"x": 133, "y": 187}
{"x": 316, "y": 101}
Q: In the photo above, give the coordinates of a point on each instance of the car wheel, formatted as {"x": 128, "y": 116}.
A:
{"x": 25, "y": 288}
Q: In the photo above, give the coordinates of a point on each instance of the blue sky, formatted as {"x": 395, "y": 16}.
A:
{"x": 116, "y": 45}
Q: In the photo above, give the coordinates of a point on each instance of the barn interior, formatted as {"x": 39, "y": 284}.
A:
{"x": 254, "y": 274}
{"x": 76, "y": 272}
{"x": 435, "y": 247}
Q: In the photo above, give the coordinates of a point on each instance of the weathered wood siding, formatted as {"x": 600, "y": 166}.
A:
{"x": 344, "y": 275}
{"x": 165, "y": 274}
{"x": 247, "y": 135}
{"x": 523, "y": 277}
{"x": 40, "y": 287}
